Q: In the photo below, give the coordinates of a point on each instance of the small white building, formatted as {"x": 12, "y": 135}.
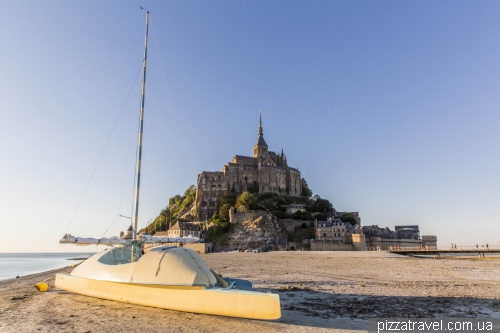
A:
{"x": 181, "y": 229}
{"x": 292, "y": 208}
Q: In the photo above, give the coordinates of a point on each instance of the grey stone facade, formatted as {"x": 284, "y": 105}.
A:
{"x": 269, "y": 169}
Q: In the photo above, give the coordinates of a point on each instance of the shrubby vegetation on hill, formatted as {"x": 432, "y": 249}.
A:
{"x": 347, "y": 217}
{"x": 168, "y": 216}
{"x": 178, "y": 207}
{"x": 315, "y": 207}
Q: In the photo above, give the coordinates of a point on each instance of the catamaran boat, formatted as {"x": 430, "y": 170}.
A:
{"x": 167, "y": 277}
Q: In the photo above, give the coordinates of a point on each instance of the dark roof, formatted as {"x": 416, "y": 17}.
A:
{"x": 186, "y": 226}
{"x": 261, "y": 141}
{"x": 241, "y": 157}
{"x": 189, "y": 225}
{"x": 333, "y": 223}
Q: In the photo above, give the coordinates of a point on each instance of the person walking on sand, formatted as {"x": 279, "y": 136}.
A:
{"x": 477, "y": 247}
{"x": 487, "y": 247}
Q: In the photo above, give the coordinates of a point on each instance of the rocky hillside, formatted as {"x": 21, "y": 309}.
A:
{"x": 261, "y": 231}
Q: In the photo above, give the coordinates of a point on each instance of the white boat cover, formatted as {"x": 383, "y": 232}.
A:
{"x": 148, "y": 239}
{"x": 143, "y": 238}
{"x": 174, "y": 266}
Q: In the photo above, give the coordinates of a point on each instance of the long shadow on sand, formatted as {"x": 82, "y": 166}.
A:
{"x": 304, "y": 307}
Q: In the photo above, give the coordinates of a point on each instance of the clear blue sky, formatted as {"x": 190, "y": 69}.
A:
{"x": 389, "y": 108}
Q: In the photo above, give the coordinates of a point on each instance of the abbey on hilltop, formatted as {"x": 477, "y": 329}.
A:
{"x": 265, "y": 170}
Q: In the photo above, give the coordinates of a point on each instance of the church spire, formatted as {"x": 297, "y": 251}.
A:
{"x": 260, "y": 146}
{"x": 260, "y": 126}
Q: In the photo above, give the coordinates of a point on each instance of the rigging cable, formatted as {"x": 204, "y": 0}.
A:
{"x": 170, "y": 102}
{"x": 99, "y": 160}
{"x": 123, "y": 186}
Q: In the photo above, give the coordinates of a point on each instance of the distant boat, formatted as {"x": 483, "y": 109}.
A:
{"x": 167, "y": 277}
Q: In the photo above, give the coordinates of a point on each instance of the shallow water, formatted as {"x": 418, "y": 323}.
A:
{"x": 20, "y": 264}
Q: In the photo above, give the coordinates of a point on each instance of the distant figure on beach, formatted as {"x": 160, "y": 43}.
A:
{"x": 427, "y": 247}
{"x": 452, "y": 247}
{"x": 487, "y": 247}
{"x": 477, "y": 247}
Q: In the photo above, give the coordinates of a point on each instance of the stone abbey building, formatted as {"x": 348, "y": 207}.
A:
{"x": 267, "y": 169}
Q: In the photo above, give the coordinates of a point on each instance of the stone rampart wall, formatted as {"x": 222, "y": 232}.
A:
{"x": 200, "y": 248}
{"x": 330, "y": 245}
{"x": 386, "y": 243}
{"x": 290, "y": 224}
{"x": 360, "y": 243}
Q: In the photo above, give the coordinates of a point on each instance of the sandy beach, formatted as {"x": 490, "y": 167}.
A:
{"x": 319, "y": 291}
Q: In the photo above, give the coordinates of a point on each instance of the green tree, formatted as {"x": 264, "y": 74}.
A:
{"x": 302, "y": 215}
{"x": 169, "y": 215}
{"x": 244, "y": 201}
{"x": 347, "y": 217}
{"x": 224, "y": 211}
{"x": 226, "y": 202}
{"x": 306, "y": 192}
{"x": 215, "y": 218}
{"x": 254, "y": 187}
{"x": 229, "y": 199}
{"x": 322, "y": 205}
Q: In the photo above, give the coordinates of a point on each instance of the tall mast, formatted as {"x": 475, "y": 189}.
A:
{"x": 139, "y": 141}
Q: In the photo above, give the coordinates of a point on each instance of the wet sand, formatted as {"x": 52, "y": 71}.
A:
{"x": 319, "y": 291}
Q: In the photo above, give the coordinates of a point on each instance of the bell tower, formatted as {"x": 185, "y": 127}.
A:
{"x": 260, "y": 146}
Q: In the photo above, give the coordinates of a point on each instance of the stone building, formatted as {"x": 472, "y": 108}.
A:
{"x": 265, "y": 171}
{"x": 332, "y": 229}
{"x": 407, "y": 231}
{"x": 181, "y": 229}
{"x": 333, "y": 235}
{"x": 403, "y": 236}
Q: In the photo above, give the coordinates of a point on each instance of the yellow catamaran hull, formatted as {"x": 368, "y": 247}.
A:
{"x": 198, "y": 299}
{"x": 169, "y": 279}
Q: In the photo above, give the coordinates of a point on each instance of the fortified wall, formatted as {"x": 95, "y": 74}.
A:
{"x": 385, "y": 244}
{"x": 290, "y": 225}
{"x": 357, "y": 243}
